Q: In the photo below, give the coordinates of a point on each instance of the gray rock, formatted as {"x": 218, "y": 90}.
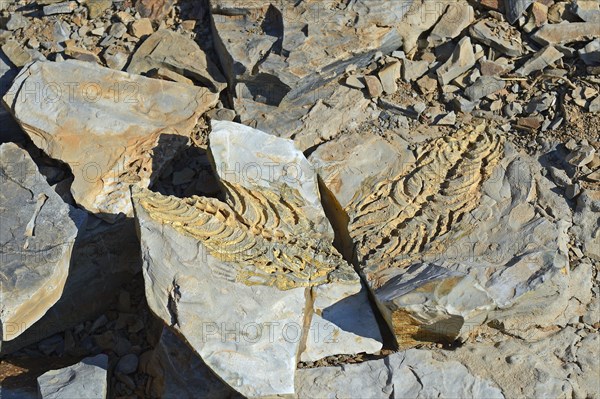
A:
{"x": 406, "y": 374}
{"x": 252, "y": 271}
{"x": 590, "y": 54}
{"x": 63, "y": 107}
{"x": 476, "y": 284}
{"x": 461, "y": 61}
{"x": 354, "y": 82}
{"x": 594, "y": 105}
{"x": 17, "y": 21}
{"x": 515, "y": 8}
{"x": 540, "y": 60}
{"x": 86, "y": 379}
{"x": 455, "y": 19}
{"x": 178, "y": 53}
{"x": 498, "y": 35}
{"x": 65, "y": 7}
{"x": 37, "y": 232}
{"x": 587, "y": 10}
{"x": 587, "y": 222}
{"x": 512, "y": 109}
{"x": 484, "y": 86}
{"x": 565, "y": 33}
{"x": 286, "y": 50}
{"x": 127, "y": 364}
{"x": 413, "y": 70}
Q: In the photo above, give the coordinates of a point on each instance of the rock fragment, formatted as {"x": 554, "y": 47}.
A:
{"x": 590, "y": 54}
{"x": 66, "y": 7}
{"x": 455, "y": 19}
{"x": 180, "y": 54}
{"x": 540, "y": 60}
{"x": 515, "y": 8}
{"x": 374, "y": 86}
{"x": 565, "y": 33}
{"x": 97, "y": 7}
{"x": 154, "y": 9}
{"x": 587, "y": 10}
{"x": 68, "y": 121}
{"x": 413, "y": 70}
{"x": 388, "y": 76}
{"x": 461, "y": 61}
{"x": 38, "y": 231}
{"x": 141, "y": 27}
{"x": 498, "y": 35}
{"x": 86, "y": 380}
{"x": 483, "y": 87}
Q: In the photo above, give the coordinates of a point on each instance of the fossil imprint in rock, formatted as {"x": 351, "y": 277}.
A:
{"x": 249, "y": 233}
{"x": 409, "y": 214}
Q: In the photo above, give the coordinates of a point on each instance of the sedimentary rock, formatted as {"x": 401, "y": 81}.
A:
{"x": 455, "y": 19}
{"x": 498, "y": 35}
{"x": 180, "y": 54}
{"x": 91, "y": 285}
{"x": 37, "y": 233}
{"x": 289, "y": 49}
{"x": 461, "y": 61}
{"x": 86, "y": 379}
{"x": 112, "y": 128}
{"x": 406, "y": 374}
{"x": 542, "y": 59}
{"x": 265, "y": 255}
{"x": 566, "y": 32}
{"x": 311, "y": 120}
{"x": 444, "y": 233}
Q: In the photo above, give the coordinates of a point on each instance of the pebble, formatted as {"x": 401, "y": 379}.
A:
{"x": 127, "y": 364}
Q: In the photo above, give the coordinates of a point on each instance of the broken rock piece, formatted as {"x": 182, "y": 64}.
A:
{"x": 541, "y": 60}
{"x": 258, "y": 255}
{"x": 461, "y": 61}
{"x": 64, "y": 108}
{"x": 180, "y": 54}
{"x": 84, "y": 380}
{"x": 565, "y": 33}
{"x": 499, "y": 35}
{"x": 37, "y": 232}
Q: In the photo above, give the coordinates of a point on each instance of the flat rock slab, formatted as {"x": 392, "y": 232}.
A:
{"x": 64, "y": 108}
{"x": 84, "y": 380}
{"x": 37, "y": 234}
{"x": 407, "y": 374}
{"x": 177, "y": 53}
{"x": 486, "y": 253}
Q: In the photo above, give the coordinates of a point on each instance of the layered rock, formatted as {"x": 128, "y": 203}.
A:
{"x": 179, "y": 54}
{"x": 458, "y": 233}
{"x": 112, "y": 128}
{"x": 86, "y": 379}
{"x": 37, "y": 234}
{"x": 265, "y": 255}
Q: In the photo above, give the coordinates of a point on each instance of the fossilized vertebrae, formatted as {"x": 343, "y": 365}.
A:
{"x": 261, "y": 239}
{"x": 410, "y": 213}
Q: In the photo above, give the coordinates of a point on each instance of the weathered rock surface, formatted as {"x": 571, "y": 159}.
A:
{"x": 177, "y": 53}
{"x": 538, "y": 368}
{"x": 566, "y": 32}
{"x": 498, "y": 35}
{"x": 37, "y": 234}
{"x": 587, "y": 222}
{"x": 261, "y": 252}
{"x": 542, "y": 59}
{"x": 455, "y": 19}
{"x": 311, "y": 120}
{"x": 408, "y": 374}
{"x": 450, "y": 268}
{"x": 64, "y": 108}
{"x": 461, "y": 60}
{"x": 86, "y": 379}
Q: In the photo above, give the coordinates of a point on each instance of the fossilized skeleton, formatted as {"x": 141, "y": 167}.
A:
{"x": 259, "y": 236}
{"x": 399, "y": 219}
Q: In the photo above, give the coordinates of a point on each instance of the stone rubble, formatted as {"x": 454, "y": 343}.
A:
{"x": 306, "y": 199}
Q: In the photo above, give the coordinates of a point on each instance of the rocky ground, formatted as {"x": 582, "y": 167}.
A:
{"x": 312, "y": 199}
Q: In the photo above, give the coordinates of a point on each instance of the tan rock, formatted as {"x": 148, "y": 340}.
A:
{"x": 374, "y": 86}
{"x": 141, "y": 27}
{"x": 149, "y": 120}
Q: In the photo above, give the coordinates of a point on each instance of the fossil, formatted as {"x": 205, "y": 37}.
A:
{"x": 404, "y": 217}
{"x": 261, "y": 238}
